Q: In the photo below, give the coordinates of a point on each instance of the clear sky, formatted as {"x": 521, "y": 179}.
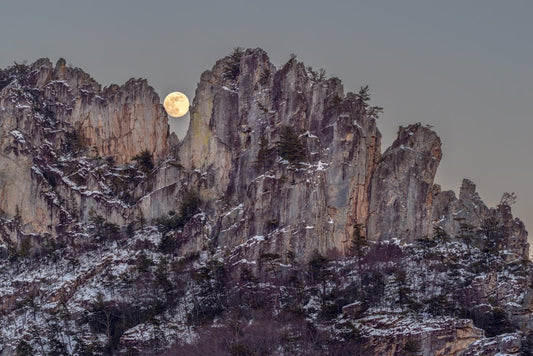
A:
{"x": 465, "y": 67}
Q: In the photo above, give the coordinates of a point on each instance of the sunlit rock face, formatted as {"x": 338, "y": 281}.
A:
{"x": 240, "y": 108}
{"x": 307, "y": 206}
{"x": 118, "y": 121}
{"x": 40, "y": 105}
{"x": 439, "y": 336}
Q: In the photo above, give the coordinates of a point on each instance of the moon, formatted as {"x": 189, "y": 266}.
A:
{"x": 176, "y": 104}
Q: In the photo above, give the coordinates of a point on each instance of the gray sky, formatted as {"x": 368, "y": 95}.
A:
{"x": 463, "y": 66}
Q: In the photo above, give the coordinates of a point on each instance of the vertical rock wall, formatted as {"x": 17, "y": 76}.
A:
{"x": 305, "y": 207}
{"x": 230, "y": 156}
{"x": 402, "y": 186}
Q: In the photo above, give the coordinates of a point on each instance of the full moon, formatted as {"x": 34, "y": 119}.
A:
{"x": 176, "y": 104}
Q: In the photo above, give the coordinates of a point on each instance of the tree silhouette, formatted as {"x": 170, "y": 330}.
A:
{"x": 358, "y": 246}
{"x": 466, "y": 232}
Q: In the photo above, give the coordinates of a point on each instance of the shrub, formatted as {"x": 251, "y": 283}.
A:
{"x": 264, "y": 155}
{"x": 23, "y": 349}
{"x": 144, "y": 263}
{"x": 271, "y": 225}
{"x": 113, "y": 318}
{"x": 24, "y": 247}
{"x": 439, "y": 305}
{"x": 494, "y": 322}
{"x": 102, "y": 228}
{"x": 411, "y": 347}
{"x": 145, "y": 161}
{"x": 75, "y": 141}
{"x": 168, "y": 223}
{"x": 50, "y": 178}
{"x": 373, "y": 285}
{"x": 161, "y": 275}
{"x": 318, "y": 270}
{"x": 265, "y": 75}
{"x": 190, "y": 205}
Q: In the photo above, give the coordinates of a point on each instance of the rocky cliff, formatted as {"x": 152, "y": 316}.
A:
{"x": 243, "y": 110}
{"x": 402, "y": 186}
{"x": 277, "y": 215}
{"x": 340, "y": 182}
{"x": 50, "y": 114}
{"x": 238, "y": 116}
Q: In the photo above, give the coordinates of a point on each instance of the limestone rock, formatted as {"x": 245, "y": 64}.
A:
{"x": 506, "y": 344}
{"x": 256, "y": 199}
{"x": 117, "y": 121}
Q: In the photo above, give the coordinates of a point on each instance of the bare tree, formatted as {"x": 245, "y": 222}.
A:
{"x": 508, "y": 199}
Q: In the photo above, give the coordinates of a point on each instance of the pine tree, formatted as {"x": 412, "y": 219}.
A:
{"x": 466, "y": 232}
{"x": 441, "y": 236}
{"x": 290, "y": 147}
{"x": 363, "y": 95}
{"x": 319, "y": 273}
{"x": 493, "y": 231}
{"x": 18, "y": 216}
{"x": 190, "y": 205}
{"x": 145, "y": 160}
{"x": 507, "y": 199}
{"x": 358, "y": 246}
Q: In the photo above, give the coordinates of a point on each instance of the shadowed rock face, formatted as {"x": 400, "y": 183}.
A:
{"x": 449, "y": 212}
{"x": 401, "y": 189}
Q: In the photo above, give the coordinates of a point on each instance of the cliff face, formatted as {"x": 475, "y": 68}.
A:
{"x": 401, "y": 191}
{"x": 48, "y": 113}
{"x": 117, "y": 121}
{"x": 244, "y": 114}
{"x": 240, "y": 110}
{"x": 277, "y": 207}
{"x": 450, "y": 212}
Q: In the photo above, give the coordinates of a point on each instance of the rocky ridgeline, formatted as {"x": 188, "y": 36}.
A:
{"x": 279, "y": 168}
{"x": 241, "y": 108}
{"x": 47, "y": 114}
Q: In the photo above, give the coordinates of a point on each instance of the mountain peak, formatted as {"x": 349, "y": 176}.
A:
{"x": 277, "y": 214}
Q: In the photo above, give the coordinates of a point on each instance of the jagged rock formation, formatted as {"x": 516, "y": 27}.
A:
{"x": 230, "y": 156}
{"x": 239, "y": 111}
{"x": 401, "y": 191}
{"x": 279, "y": 168}
{"x": 449, "y": 212}
{"x": 117, "y": 121}
{"x": 45, "y": 109}
{"x": 303, "y": 207}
